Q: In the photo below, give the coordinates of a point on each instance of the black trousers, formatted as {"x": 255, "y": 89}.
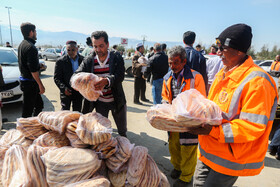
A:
{"x": 120, "y": 116}
{"x": 76, "y": 99}
{"x": 139, "y": 89}
{"x": 32, "y": 100}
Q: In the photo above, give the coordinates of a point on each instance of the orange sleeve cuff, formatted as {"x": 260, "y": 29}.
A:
{"x": 215, "y": 132}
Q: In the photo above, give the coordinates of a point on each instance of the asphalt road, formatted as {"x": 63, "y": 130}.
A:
{"x": 139, "y": 130}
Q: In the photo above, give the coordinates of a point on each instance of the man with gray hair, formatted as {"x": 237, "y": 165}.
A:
{"x": 182, "y": 146}
{"x": 65, "y": 66}
{"x": 158, "y": 67}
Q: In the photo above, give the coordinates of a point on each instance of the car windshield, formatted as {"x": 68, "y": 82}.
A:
{"x": 8, "y": 57}
{"x": 58, "y": 50}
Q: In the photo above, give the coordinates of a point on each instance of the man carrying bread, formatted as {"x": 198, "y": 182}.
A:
{"x": 182, "y": 146}
{"x": 109, "y": 67}
{"x": 64, "y": 68}
{"x": 247, "y": 96}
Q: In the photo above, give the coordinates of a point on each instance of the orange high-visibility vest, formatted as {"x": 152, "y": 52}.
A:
{"x": 275, "y": 66}
{"x": 248, "y": 98}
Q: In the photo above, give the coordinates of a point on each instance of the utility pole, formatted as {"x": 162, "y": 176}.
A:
{"x": 10, "y": 25}
{"x": 144, "y": 39}
{"x": 1, "y": 41}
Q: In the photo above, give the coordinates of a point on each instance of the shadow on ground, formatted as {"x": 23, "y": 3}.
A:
{"x": 271, "y": 162}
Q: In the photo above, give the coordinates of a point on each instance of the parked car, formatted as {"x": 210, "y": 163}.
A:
{"x": 51, "y": 54}
{"x": 128, "y": 66}
{"x": 257, "y": 61}
{"x": 209, "y": 56}
{"x": 11, "y": 91}
{"x": 266, "y": 65}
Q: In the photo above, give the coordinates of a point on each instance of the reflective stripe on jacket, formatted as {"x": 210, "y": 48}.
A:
{"x": 248, "y": 99}
{"x": 191, "y": 79}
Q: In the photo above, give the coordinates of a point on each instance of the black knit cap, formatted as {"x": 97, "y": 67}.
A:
{"x": 189, "y": 37}
{"x": 238, "y": 36}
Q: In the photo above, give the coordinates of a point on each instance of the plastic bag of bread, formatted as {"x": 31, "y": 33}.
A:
{"x": 14, "y": 136}
{"x": 97, "y": 181}
{"x": 84, "y": 83}
{"x": 117, "y": 162}
{"x": 137, "y": 164}
{"x": 117, "y": 179}
{"x": 106, "y": 149}
{"x": 52, "y": 139}
{"x": 160, "y": 117}
{"x": 30, "y": 127}
{"x": 14, "y": 171}
{"x": 192, "y": 106}
{"x": 67, "y": 165}
{"x": 58, "y": 121}
{"x": 36, "y": 167}
{"x": 3, "y": 150}
{"x": 164, "y": 181}
{"x": 94, "y": 129}
{"x": 151, "y": 176}
{"x": 70, "y": 133}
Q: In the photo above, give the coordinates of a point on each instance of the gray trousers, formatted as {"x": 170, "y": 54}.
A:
{"x": 205, "y": 176}
{"x": 119, "y": 116}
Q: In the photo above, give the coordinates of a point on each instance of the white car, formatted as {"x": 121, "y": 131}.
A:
{"x": 265, "y": 65}
{"x": 51, "y": 54}
{"x": 11, "y": 91}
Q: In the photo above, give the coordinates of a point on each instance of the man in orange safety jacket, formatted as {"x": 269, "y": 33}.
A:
{"x": 275, "y": 66}
{"x": 247, "y": 96}
{"x": 182, "y": 146}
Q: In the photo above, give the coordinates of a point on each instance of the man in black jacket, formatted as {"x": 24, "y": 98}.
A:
{"x": 158, "y": 67}
{"x": 195, "y": 60}
{"x": 29, "y": 67}
{"x": 65, "y": 66}
{"x": 109, "y": 66}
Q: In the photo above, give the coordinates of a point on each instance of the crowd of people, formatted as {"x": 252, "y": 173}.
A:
{"x": 246, "y": 94}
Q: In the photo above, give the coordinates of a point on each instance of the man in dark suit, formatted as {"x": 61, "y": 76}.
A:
{"x": 64, "y": 69}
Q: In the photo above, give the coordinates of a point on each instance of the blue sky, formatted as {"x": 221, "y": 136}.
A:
{"x": 159, "y": 20}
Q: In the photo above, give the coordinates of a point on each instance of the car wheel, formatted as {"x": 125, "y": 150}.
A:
{"x": 45, "y": 58}
{"x": 129, "y": 72}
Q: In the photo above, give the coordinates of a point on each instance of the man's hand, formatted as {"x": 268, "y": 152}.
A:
{"x": 67, "y": 92}
{"x": 42, "y": 89}
{"x": 101, "y": 84}
{"x": 204, "y": 129}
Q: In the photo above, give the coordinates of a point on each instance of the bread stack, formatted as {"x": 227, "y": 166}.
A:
{"x": 68, "y": 165}
{"x": 164, "y": 181}
{"x": 94, "y": 129}
{"x": 98, "y": 181}
{"x": 36, "y": 167}
{"x": 137, "y": 164}
{"x": 14, "y": 136}
{"x": 3, "y": 150}
{"x": 151, "y": 176}
{"x": 84, "y": 83}
{"x": 117, "y": 179}
{"x": 75, "y": 141}
{"x": 117, "y": 160}
{"x": 30, "y": 127}
{"x": 15, "y": 168}
{"x": 190, "y": 106}
{"x": 106, "y": 149}
{"x": 52, "y": 139}
{"x": 58, "y": 121}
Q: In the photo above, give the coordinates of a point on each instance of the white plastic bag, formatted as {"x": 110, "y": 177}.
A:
{"x": 84, "y": 83}
{"x": 30, "y": 127}
{"x": 191, "y": 106}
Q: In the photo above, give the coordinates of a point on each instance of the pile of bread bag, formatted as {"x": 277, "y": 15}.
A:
{"x": 67, "y": 148}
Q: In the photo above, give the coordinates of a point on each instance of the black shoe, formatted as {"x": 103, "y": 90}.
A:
{"x": 272, "y": 150}
{"x": 145, "y": 100}
{"x": 180, "y": 183}
{"x": 137, "y": 103}
{"x": 277, "y": 156}
{"x": 175, "y": 174}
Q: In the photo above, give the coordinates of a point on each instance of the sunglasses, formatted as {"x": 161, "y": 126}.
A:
{"x": 221, "y": 48}
{"x": 71, "y": 50}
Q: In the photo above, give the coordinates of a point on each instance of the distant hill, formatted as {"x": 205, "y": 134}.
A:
{"x": 59, "y": 38}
